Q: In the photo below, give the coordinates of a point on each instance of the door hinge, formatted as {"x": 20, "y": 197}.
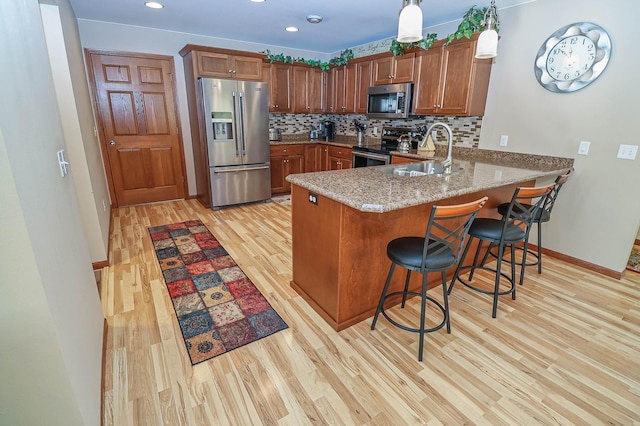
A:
{"x": 171, "y": 76}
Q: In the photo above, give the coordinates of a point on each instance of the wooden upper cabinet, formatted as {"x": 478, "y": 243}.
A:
{"x": 211, "y": 64}
{"x": 394, "y": 69}
{"x": 363, "y": 81}
{"x": 280, "y": 83}
{"x": 308, "y": 89}
{"x": 451, "y": 81}
{"x": 330, "y": 91}
{"x": 344, "y": 89}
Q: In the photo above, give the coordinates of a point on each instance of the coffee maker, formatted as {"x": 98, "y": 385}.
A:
{"x": 328, "y": 130}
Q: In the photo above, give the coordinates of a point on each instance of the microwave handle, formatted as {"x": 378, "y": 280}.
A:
{"x": 400, "y": 103}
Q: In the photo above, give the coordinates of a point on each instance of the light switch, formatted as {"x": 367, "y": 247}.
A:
{"x": 504, "y": 140}
{"x": 627, "y": 152}
{"x": 583, "y": 149}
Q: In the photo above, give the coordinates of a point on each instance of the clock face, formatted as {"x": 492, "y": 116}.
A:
{"x": 572, "y": 57}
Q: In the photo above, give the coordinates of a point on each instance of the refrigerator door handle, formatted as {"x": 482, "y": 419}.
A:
{"x": 239, "y": 169}
{"x": 235, "y": 116}
{"x": 244, "y": 124}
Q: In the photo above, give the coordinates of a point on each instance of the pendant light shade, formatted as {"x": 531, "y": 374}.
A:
{"x": 487, "y": 46}
{"x": 410, "y": 23}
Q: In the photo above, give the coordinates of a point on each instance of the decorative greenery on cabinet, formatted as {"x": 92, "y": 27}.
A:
{"x": 472, "y": 22}
{"x": 343, "y": 59}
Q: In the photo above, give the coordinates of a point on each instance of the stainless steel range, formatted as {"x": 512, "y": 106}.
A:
{"x": 378, "y": 155}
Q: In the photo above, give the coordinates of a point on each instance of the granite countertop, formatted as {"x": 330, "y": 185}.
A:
{"x": 343, "y": 144}
{"x": 370, "y": 189}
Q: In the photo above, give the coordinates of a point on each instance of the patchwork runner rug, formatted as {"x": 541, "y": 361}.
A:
{"x": 218, "y": 307}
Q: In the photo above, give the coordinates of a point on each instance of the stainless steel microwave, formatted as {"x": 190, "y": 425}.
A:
{"x": 390, "y": 101}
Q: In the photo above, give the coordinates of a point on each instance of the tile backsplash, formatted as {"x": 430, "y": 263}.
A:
{"x": 466, "y": 130}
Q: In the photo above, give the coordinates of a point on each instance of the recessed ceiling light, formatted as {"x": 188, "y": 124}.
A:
{"x": 154, "y": 5}
{"x": 258, "y": 1}
{"x": 291, "y": 29}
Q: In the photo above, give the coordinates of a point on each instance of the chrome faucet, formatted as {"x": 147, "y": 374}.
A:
{"x": 448, "y": 161}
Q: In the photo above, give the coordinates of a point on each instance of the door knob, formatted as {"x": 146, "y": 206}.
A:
{"x": 112, "y": 142}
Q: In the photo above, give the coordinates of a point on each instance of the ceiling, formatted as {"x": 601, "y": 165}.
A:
{"x": 346, "y": 23}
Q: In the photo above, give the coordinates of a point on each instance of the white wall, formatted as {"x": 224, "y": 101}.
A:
{"x": 67, "y": 65}
{"x": 598, "y": 211}
{"x": 109, "y": 36}
{"x": 50, "y": 315}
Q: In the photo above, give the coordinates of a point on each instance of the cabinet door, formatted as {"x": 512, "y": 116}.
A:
{"x": 324, "y": 158}
{"x": 280, "y": 88}
{"x": 345, "y": 163}
{"x": 456, "y": 78}
{"x": 316, "y": 91}
{"x": 278, "y": 184}
{"x": 363, "y": 82}
{"x": 403, "y": 68}
{"x": 312, "y": 158}
{"x": 350, "y": 88}
{"x": 426, "y": 91}
{"x": 383, "y": 71}
{"x": 214, "y": 65}
{"x": 295, "y": 164}
{"x": 334, "y": 163}
{"x": 300, "y": 89}
{"x": 245, "y": 68}
{"x": 330, "y": 91}
{"x": 339, "y": 87}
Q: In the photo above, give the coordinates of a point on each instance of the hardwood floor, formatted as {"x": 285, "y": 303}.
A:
{"x": 567, "y": 351}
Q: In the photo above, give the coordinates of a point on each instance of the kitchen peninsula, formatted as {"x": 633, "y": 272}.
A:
{"x": 342, "y": 221}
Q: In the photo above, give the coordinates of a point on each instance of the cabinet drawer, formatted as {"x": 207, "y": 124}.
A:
{"x": 340, "y": 152}
{"x": 284, "y": 150}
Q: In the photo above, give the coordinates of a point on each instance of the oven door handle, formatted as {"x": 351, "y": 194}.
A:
{"x": 363, "y": 154}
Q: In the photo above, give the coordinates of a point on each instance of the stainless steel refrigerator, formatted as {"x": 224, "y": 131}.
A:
{"x": 237, "y": 131}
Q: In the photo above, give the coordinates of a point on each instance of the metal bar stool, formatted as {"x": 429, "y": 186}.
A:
{"x": 544, "y": 215}
{"x": 437, "y": 251}
{"x": 513, "y": 228}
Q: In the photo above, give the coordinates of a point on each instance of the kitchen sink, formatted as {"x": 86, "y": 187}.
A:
{"x": 422, "y": 168}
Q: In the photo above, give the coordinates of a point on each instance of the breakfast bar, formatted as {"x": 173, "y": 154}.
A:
{"x": 342, "y": 221}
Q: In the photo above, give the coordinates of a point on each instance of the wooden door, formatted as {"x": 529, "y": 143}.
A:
{"x": 141, "y": 142}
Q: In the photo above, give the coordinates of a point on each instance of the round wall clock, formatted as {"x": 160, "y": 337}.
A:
{"x": 572, "y": 57}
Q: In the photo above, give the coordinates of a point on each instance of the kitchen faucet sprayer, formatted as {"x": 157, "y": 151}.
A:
{"x": 448, "y": 161}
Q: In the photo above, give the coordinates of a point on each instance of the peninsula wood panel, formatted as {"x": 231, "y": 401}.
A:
{"x": 565, "y": 352}
{"x": 361, "y": 263}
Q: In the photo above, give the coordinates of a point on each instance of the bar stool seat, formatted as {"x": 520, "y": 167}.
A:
{"x": 543, "y": 215}
{"x": 437, "y": 251}
{"x": 513, "y": 228}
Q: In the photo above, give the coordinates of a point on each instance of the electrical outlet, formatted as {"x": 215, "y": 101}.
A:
{"x": 504, "y": 139}
{"x": 627, "y": 152}
{"x": 375, "y": 131}
{"x": 583, "y": 149}
{"x": 434, "y": 135}
{"x": 313, "y": 198}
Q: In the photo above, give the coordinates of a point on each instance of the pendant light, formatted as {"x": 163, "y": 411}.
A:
{"x": 487, "y": 46}
{"x": 410, "y": 22}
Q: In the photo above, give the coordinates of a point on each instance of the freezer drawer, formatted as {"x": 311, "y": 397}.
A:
{"x": 240, "y": 184}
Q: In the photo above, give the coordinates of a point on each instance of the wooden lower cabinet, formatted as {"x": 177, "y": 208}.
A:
{"x": 397, "y": 159}
{"x": 285, "y": 160}
{"x": 338, "y": 158}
